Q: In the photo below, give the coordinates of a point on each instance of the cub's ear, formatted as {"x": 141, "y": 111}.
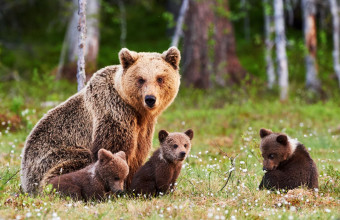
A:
{"x": 162, "y": 135}
{"x": 104, "y": 156}
{"x": 121, "y": 154}
{"x": 189, "y": 133}
{"x": 282, "y": 139}
{"x": 172, "y": 56}
{"x": 264, "y": 132}
{"x": 127, "y": 57}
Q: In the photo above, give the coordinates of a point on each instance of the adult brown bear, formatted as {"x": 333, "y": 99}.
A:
{"x": 117, "y": 111}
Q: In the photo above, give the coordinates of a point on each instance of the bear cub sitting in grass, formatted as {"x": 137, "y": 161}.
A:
{"x": 160, "y": 173}
{"x": 287, "y": 162}
{"x": 97, "y": 180}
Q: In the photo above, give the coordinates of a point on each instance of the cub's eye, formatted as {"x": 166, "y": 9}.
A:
{"x": 271, "y": 156}
{"x": 185, "y": 145}
{"x": 160, "y": 80}
{"x": 141, "y": 81}
{"x": 175, "y": 146}
{"x": 116, "y": 178}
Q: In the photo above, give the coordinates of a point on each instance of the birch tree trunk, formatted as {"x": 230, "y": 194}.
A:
{"x": 81, "y": 77}
{"x": 309, "y": 10}
{"x": 335, "y": 18}
{"x": 67, "y": 67}
{"x": 280, "y": 40}
{"x": 268, "y": 30}
{"x": 179, "y": 25}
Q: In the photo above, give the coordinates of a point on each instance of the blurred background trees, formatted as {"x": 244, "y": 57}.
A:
{"x": 223, "y": 42}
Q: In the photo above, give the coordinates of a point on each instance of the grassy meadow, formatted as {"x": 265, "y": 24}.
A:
{"x": 226, "y": 143}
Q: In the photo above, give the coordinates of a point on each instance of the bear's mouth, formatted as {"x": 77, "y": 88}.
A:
{"x": 181, "y": 158}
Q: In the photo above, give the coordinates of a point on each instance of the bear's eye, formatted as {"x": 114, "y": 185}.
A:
{"x": 160, "y": 80}
{"x": 185, "y": 145}
{"x": 141, "y": 81}
{"x": 175, "y": 146}
{"x": 271, "y": 156}
{"x": 116, "y": 178}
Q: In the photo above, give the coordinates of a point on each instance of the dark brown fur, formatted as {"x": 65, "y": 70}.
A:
{"x": 105, "y": 177}
{"x": 160, "y": 173}
{"x": 287, "y": 162}
{"x": 110, "y": 113}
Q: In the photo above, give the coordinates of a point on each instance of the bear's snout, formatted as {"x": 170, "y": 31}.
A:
{"x": 182, "y": 154}
{"x": 150, "y": 101}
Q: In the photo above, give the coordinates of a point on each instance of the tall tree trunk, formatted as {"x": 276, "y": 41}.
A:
{"x": 227, "y": 66}
{"x": 268, "y": 31}
{"x": 282, "y": 64}
{"x": 209, "y": 45}
{"x": 335, "y": 18}
{"x": 309, "y": 10}
{"x": 179, "y": 25}
{"x": 67, "y": 67}
{"x": 196, "y": 58}
{"x": 81, "y": 77}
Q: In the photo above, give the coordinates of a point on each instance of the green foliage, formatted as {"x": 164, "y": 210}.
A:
{"x": 169, "y": 18}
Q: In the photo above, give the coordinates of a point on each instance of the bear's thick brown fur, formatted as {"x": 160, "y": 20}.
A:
{"x": 117, "y": 110}
{"x": 287, "y": 162}
{"x": 97, "y": 180}
{"x": 160, "y": 173}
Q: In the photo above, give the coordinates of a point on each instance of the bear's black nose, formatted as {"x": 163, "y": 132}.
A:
{"x": 182, "y": 154}
{"x": 265, "y": 169}
{"x": 150, "y": 100}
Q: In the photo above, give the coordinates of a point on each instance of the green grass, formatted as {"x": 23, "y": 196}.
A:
{"x": 226, "y": 123}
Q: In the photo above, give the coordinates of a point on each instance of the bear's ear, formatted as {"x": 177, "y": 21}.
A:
{"x": 104, "y": 156}
{"x": 121, "y": 154}
{"x": 127, "y": 57}
{"x": 282, "y": 139}
{"x": 162, "y": 135}
{"x": 264, "y": 132}
{"x": 189, "y": 133}
{"x": 172, "y": 56}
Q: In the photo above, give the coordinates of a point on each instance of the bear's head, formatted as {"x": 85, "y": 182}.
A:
{"x": 275, "y": 148}
{"x": 148, "y": 82}
{"x": 113, "y": 169}
{"x": 175, "y": 147}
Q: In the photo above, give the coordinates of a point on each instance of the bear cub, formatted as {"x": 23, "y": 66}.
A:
{"x": 287, "y": 162}
{"x": 160, "y": 173}
{"x": 97, "y": 180}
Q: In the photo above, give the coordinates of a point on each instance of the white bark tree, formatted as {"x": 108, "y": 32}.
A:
{"x": 178, "y": 31}
{"x": 81, "y": 77}
{"x": 335, "y": 17}
{"x": 69, "y": 53}
{"x": 268, "y": 30}
{"x": 309, "y": 11}
{"x": 280, "y": 40}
